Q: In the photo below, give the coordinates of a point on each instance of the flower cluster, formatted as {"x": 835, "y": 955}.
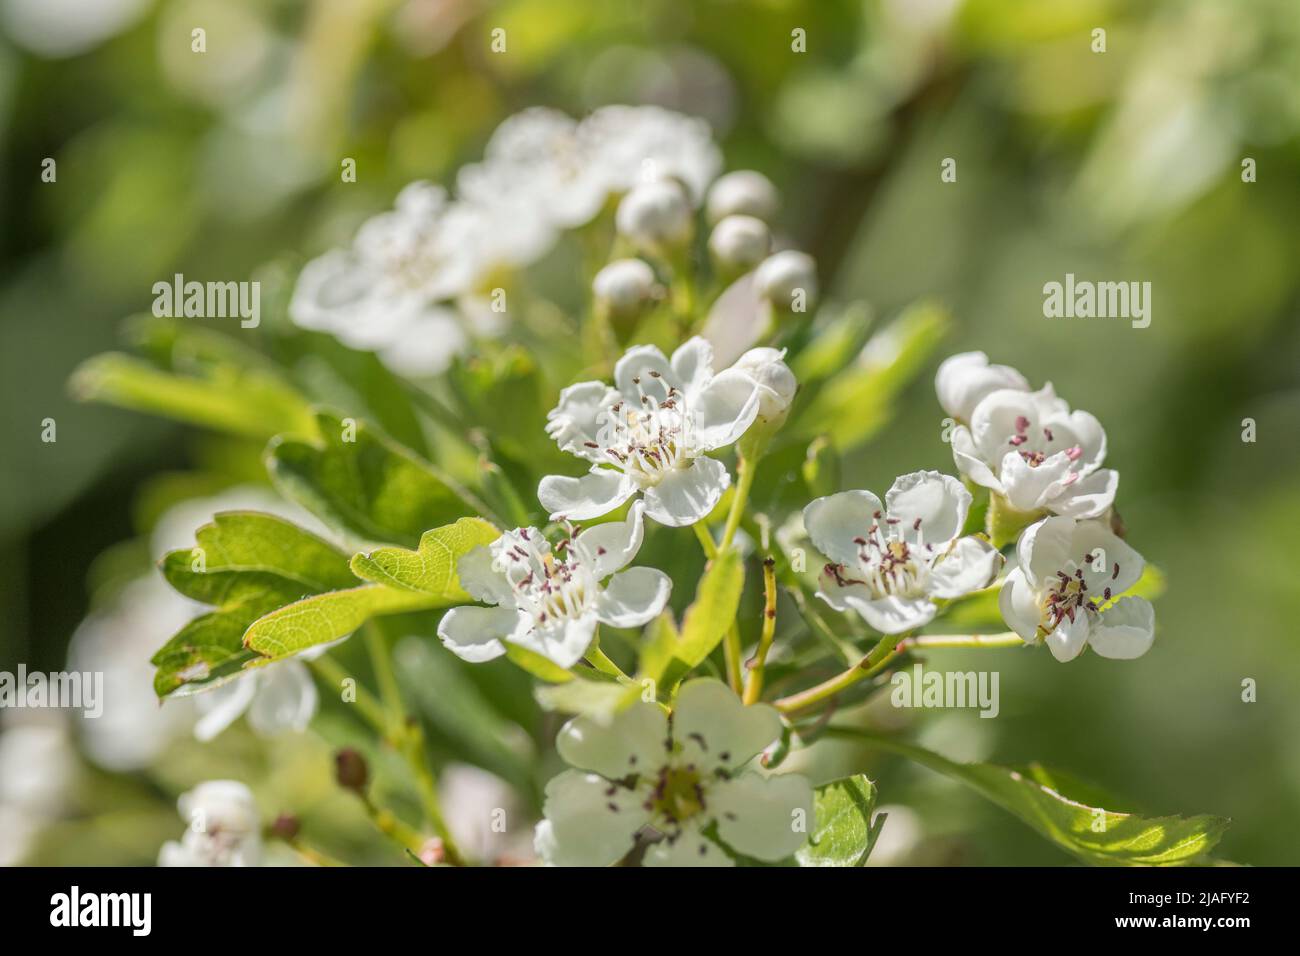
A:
{"x": 1042, "y": 462}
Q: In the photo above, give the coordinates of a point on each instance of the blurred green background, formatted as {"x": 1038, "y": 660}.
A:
{"x": 1122, "y": 165}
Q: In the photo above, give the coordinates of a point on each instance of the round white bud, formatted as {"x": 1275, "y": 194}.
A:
{"x": 740, "y": 242}
{"x": 655, "y": 215}
{"x": 776, "y": 383}
{"x": 624, "y": 285}
{"x": 742, "y": 193}
{"x": 788, "y": 280}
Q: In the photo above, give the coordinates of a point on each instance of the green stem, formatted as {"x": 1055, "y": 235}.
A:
{"x": 754, "y": 685}
{"x": 601, "y": 661}
{"x": 428, "y": 789}
{"x": 382, "y": 664}
{"x": 731, "y": 653}
{"x": 706, "y": 540}
{"x": 311, "y": 854}
{"x": 333, "y": 674}
{"x": 881, "y": 656}
{"x": 744, "y": 481}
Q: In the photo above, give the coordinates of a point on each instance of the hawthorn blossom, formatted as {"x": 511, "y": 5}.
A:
{"x": 964, "y": 379}
{"x": 224, "y": 827}
{"x": 632, "y": 144}
{"x": 550, "y": 601}
{"x": 891, "y": 563}
{"x": 649, "y": 435}
{"x": 1032, "y": 450}
{"x": 683, "y": 776}
{"x": 1066, "y": 591}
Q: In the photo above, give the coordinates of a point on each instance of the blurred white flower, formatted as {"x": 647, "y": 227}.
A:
{"x": 224, "y": 827}
{"x": 277, "y": 698}
{"x": 632, "y": 144}
{"x": 550, "y": 601}
{"x": 38, "y": 769}
{"x": 59, "y": 28}
{"x": 686, "y": 779}
{"x": 964, "y": 379}
{"x": 482, "y": 813}
{"x": 1064, "y": 591}
{"x": 890, "y": 563}
{"x": 649, "y": 434}
{"x": 1032, "y": 450}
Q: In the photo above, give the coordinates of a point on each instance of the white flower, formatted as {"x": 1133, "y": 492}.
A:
{"x": 1031, "y": 449}
{"x": 625, "y": 285}
{"x": 890, "y": 563}
{"x": 550, "y": 601}
{"x": 739, "y": 243}
{"x": 279, "y": 697}
{"x": 655, "y": 216}
{"x": 785, "y": 276}
{"x": 649, "y": 434}
{"x": 964, "y": 379}
{"x": 743, "y": 192}
{"x": 1064, "y": 591}
{"x": 776, "y": 383}
{"x": 632, "y": 144}
{"x": 224, "y": 827}
{"x": 680, "y": 777}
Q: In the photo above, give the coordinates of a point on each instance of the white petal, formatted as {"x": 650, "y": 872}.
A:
{"x": 689, "y": 848}
{"x": 480, "y": 578}
{"x": 938, "y": 502}
{"x": 578, "y": 418}
{"x": 766, "y": 818}
{"x": 1087, "y": 433}
{"x": 993, "y": 422}
{"x": 723, "y": 410}
{"x": 1095, "y": 540}
{"x": 892, "y": 614}
{"x": 286, "y": 699}
{"x": 834, "y": 521}
{"x": 842, "y": 597}
{"x": 688, "y": 494}
{"x": 693, "y": 365}
{"x": 1125, "y": 630}
{"x": 221, "y": 707}
{"x": 968, "y": 461}
{"x": 971, "y": 564}
{"x": 634, "y": 597}
{"x": 637, "y": 363}
{"x": 1068, "y": 638}
{"x": 596, "y": 493}
{"x": 610, "y": 546}
{"x": 589, "y": 821}
{"x": 964, "y": 379}
{"x": 715, "y": 730}
{"x": 561, "y": 641}
{"x": 1088, "y": 497}
{"x": 1044, "y": 548}
{"x": 1029, "y": 487}
{"x": 1019, "y": 606}
{"x": 634, "y": 741}
{"x": 476, "y": 634}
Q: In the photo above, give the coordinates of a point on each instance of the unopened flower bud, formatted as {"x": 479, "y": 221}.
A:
{"x": 624, "y": 286}
{"x": 286, "y": 826}
{"x": 655, "y": 216}
{"x": 776, "y": 383}
{"x": 739, "y": 243}
{"x": 788, "y": 280}
{"x": 742, "y": 193}
{"x": 350, "y": 769}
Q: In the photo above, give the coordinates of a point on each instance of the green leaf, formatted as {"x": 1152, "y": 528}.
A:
{"x": 360, "y": 481}
{"x": 327, "y": 617}
{"x": 227, "y": 398}
{"x": 246, "y": 564}
{"x": 832, "y": 343}
{"x": 844, "y": 834}
{"x": 668, "y": 654}
{"x": 432, "y": 568}
{"x": 596, "y": 698}
{"x": 1093, "y": 834}
{"x": 856, "y": 403}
